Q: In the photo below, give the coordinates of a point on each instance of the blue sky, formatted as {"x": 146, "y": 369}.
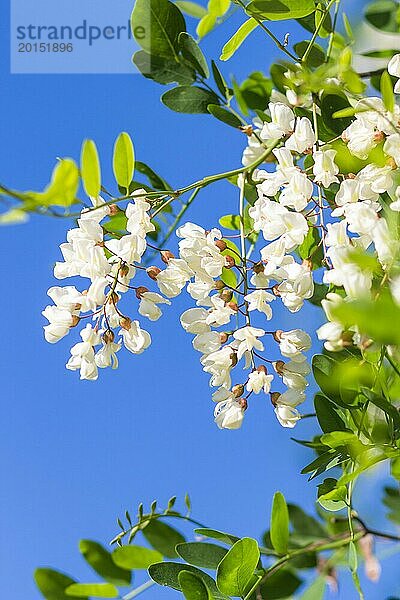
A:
{"x": 76, "y": 454}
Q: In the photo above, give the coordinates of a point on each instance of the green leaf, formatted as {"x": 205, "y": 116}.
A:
{"x": 325, "y": 371}
{"x": 95, "y": 590}
{"x": 387, "y": 91}
{"x": 215, "y": 10}
{"x": 327, "y": 416}
{"x": 191, "y": 8}
{"x": 277, "y": 10}
{"x": 156, "y": 25}
{"x": 316, "y": 590}
{"x": 316, "y": 56}
{"x": 383, "y": 14}
{"x": 167, "y": 574}
{"x": 332, "y": 102}
{"x": 330, "y": 496}
{"x": 163, "y": 538}
{"x": 163, "y": 70}
{"x": 135, "y": 557}
{"x": 191, "y": 51}
{"x": 280, "y": 585}
{"x": 189, "y": 99}
{"x": 238, "y": 38}
{"x": 392, "y": 501}
{"x": 279, "y": 524}
{"x": 123, "y": 160}
{"x": 53, "y": 584}
{"x": 384, "y": 405}
{"x": 304, "y": 524}
{"x": 228, "y": 276}
{"x": 192, "y": 586}
{"x": 62, "y": 188}
{"x": 226, "y": 538}
{"x": 230, "y": 222}
{"x": 101, "y": 562}
{"x": 220, "y": 81}
{"x": 353, "y": 560}
{"x": 311, "y": 248}
{"x": 156, "y": 181}
{"x": 201, "y": 554}
{"x": 90, "y": 169}
{"x": 224, "y": 115}
{"x": 116, "y": 223}
{"x": 236, "y": 570}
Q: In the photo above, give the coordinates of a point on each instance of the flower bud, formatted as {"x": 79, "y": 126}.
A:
{"x": 219, "y": 285}
{"x": 243, "y": 403}
{"x": 75, "y": 320}
{"x": 229, "y": 262}
{"x": 234, "y": 359}
{"x": 101, "y": 244}
{"x": 238, "y": 390}
{"x": 277, "y": 335}
{"x": 108, "y": 336}
{"x": 262, "y": 369}
{"x": 140, "y": 291}
{"x": 152, "y": 272}
{"x": 221, "y": 245}
{"x": 114, "y": 298}
{"x": 275, "y": 290}
{"x": 226, "y": 295}
{"x": 379, "y": 137}
{"x": 279, "y": 366}
{"x": 166, "y": 256}
{"x": 308, "y": 264}
{"x": 274, "y": 398}
{"x": 125, "y": 323}
{"x": 223, "y": 337}
{"x": 114, "y": 209}
{"x": 247, "y": 129}
{"x": 124, "y": 270}
{"x": 391, "y": 163}
{"x": 351, "y": 176}
{"x": 258, "y": 268}
{"x": 233, "y": 306}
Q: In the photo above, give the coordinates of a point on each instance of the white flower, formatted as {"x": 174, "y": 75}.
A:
{"x": 361, "y": 216}
{"x": 374, "y": 180}
{"x": 106, "y": 356}
{"x": 136, "y": 340}
{"x": 394, "y": 69}
{"x": 259, "y": 380}
{"x": 220, "y": 313}
{"x": 395, "y": 289}
{"x": 361, "y": 136}
{"x": 137, "y": 213}
{"x": 297, "y": 286}
{"x": 60, "y": 322}
{"x": 294, "y": 374}
{"x": 392, "y": 147}
{"x": 287, "y": 415}
{"x": 325, "y": 169}
{"x": 277, "y": 221}
{"x": 303, "y": 137}
{"x": 194, "y": 320}
{"x": 349, "y": 191}
{"x": 337, "y": 234}
{"x": 207, "y": 342}
{"x": 395, "y": 205}
{"x": 82, "y": 354}
{"x": 173, "y": 279}
{"x": 259, "y": 300}
{"x": 148, "y": 305}
{"x": 229, "y": 414}
{"x": 130, "y": 248}
{"x": 219, "y": 364}
{"x": 356, "y": 282}
{"x": 95, "y": 295}
{"x": 282, "y": 119}
{"x": 298, "y": 192}
{"x": 386, "y": 246}
{"x": 293, "y": 343}
{"x": 247, "y": 336}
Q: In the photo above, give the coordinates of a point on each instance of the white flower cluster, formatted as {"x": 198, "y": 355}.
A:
{"x": 110, "y": 267}
{"x": 305, "y": 206}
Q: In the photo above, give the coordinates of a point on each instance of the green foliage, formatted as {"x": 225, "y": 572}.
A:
{"x": 192, "y": 586}
{"x": 90, "y": 169}
{"x": 94, "y": 590}
{"x": 135, "y": 557}
{"x": 279, "y": 524}
{"x": 201, "y": 554}
{"x": 189, "y": 99}
{"x": 156, "y": 25}
{"x": 238, "y": 38}
{"x": 124, "y": 160}
{"x": 103, "y": 563}
{"x": 235, "y": 571}
{"x": 53, "y": 584}
{"x": 163, "y": 538}
{"x": 276, "y": 10}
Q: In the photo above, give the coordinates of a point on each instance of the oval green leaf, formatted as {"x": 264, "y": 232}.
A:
{"x": 124, "y": 160}
{"x": 135, "y": 557}
{"x": 238, "y": 38}
{"x": 189, "y": 99}
{"x": 279, "y": 524}
{"x": 163, "y": 538}
{"x": 201, "y": 554}
{"x": 278, "y": 10}
{"x": 236, "y": 570}
{"x": 102, "y": 563}
{"x": 94, "y": 590}
{"x": 90, "y": 169}
{"x": 193, "y": 588}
